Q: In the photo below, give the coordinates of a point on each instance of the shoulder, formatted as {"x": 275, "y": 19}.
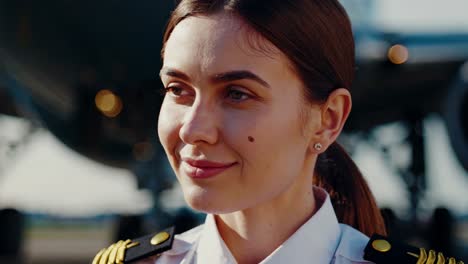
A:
{"x": 383, "y": 250}
{"x": 183, "y": 244}
{"x": 158, "y": 247}
{"x": 351, "y": 246}
{"x": 355, "y": 247}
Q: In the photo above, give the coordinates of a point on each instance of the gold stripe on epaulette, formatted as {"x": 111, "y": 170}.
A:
{"x": 441, "y": 258}
{"x": 425, "y": 258}
{"x": 115, "y": 253}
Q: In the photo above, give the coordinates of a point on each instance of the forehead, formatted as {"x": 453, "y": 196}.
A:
{"x": 221, "y": 42}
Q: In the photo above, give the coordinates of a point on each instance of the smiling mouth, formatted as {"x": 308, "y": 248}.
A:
{"x": 202, "y": 169}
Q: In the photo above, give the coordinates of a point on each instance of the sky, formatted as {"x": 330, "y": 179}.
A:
{"x": 425, "y": 15}
{"x": 411, "y": 16}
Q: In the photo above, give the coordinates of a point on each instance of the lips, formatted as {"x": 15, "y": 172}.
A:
{"x": 202, "y": 169}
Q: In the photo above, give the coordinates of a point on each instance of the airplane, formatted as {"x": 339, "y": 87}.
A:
{"x": 88, "y": 72}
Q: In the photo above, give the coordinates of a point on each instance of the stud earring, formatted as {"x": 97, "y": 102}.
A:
{"x": 318, "y": 146}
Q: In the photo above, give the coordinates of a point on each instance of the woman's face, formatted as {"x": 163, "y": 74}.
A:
{"x": 230, "y": 122}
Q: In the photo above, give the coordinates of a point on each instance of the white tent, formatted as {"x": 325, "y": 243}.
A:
{"x": 47, "y": 177}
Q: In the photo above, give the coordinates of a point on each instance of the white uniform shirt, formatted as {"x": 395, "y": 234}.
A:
{"x": 320, "y": 240}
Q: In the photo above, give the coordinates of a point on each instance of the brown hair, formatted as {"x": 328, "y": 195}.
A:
{"x": 317, "y": 38}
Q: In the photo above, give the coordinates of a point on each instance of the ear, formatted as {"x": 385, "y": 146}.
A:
{"x": 334, "y": 113}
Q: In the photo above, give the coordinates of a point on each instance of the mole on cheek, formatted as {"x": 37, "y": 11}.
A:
{"x": 251, "y": 139}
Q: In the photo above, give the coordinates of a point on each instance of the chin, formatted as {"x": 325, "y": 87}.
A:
{"x": 206, "y": 201}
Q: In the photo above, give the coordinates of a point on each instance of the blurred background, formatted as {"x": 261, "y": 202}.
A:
{"x": 81, "y": 165}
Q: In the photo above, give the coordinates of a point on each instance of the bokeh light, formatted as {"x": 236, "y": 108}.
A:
{"x": 108, "y": 103}
{"x": 398, "y": 54}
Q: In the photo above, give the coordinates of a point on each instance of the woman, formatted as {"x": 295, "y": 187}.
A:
{"x": 257, "y": 93}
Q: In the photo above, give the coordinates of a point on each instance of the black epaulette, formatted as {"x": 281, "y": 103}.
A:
{"x": 381, "y": 250}
{"x": 136, "y": 249}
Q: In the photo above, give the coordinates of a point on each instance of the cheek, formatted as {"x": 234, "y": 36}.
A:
{"x": 240, "y": 131}
{"x": 168, "y": 127}
{"x": 269, "y": 141}
{"x": 254, "y": 135}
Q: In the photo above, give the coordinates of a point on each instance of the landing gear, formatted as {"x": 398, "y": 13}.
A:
{"x": 12, "y": 235}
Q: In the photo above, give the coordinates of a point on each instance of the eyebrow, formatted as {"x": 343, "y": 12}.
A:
{"x": 219, "y": 77}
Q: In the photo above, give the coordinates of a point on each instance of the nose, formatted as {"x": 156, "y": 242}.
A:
{"x": 200, "y": 125}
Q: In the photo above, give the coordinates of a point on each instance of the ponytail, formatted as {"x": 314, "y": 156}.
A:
{"x": 351, "y": 197}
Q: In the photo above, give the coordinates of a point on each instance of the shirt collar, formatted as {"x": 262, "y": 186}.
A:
{"x": 211, "y": 247}
{"x": 317, "y": 239}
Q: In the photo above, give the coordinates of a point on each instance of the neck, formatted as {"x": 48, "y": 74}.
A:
{"x": 254, "y": 233}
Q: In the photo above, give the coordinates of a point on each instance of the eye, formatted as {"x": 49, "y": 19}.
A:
{"x": 176, "y": 90}
{"x": 237, "y": 95}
